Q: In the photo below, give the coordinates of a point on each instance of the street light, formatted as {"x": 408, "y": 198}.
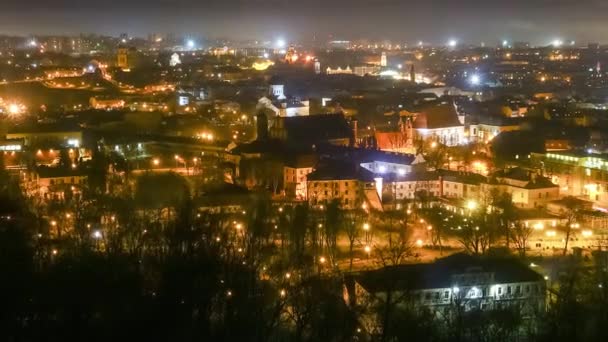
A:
{"x": 471, "y": 205}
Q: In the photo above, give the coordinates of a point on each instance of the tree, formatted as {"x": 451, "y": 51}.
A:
{"x": 572, "y": 214}
{"x": 475, "y": 234}
{"x": 352, "y": 227}
{"x": 439, "y": 221}
{"x": 521, "y": 234}
{"x": 333, "y": 218}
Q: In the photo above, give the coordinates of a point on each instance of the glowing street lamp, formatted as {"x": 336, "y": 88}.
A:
{"x": 475, "y": 79}
{"x": 280, "y": 43}
{"x": 366, "y": 226}
{"x": 367, "y": 250}
{"x": 14, "y": 109}
{"x": 452, "y": 43}
{"x": 471, "y": 205}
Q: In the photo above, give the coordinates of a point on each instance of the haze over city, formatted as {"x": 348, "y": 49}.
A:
{"x": 471, "y": 21}
{"x": 303, "y": 171}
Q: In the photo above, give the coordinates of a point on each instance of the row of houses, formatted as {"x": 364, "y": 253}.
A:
{"x": 322, "y": 183}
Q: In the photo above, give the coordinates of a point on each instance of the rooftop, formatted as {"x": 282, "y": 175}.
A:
{"x": 437, "y": 116}
{"x": 440, "y": 273}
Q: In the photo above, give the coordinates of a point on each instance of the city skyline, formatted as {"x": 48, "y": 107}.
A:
{"x": 539, "y": 22}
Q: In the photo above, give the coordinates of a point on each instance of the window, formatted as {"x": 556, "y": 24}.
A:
{"x": 518, "y": 289}
{"x": 499, "y": 290}
{"x": 508, "y": 289}
{"x": 427, "y": 296}
{"x": 527, "y": 288}
{"x": 446, "y": 294}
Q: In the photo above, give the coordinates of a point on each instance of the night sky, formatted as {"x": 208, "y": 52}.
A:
{"x": 473, "y": 21}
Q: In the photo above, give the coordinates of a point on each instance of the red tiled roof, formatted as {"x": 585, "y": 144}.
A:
{"x": 437, "y": 116}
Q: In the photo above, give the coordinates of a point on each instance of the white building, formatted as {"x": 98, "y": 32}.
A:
{"x": 458, "y": 281}
{"x": 440, "y": 123}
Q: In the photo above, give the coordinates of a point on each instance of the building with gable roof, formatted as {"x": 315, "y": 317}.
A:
{"x": 442, "y": 123}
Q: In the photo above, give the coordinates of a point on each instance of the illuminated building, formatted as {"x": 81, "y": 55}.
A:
{"x": 364, "y": 70}
{"x": 106, "y": 103}
{"x": 295, "y": 174}
{"x": 464, "y": 281}
{"x": 400, "y": 140}
{"x": 262, "y": 65}
{"x": 127, "y": 58}
{"x": 175, "y": 60}
{"x": 47, "y": 134}
{"x": 282, "y": 105}
{"x": 578, "y": 174}
{"x": 339, "y": 71}
{"x": 528, "y": 189}
{"x": 54, "y": 182}
{"x": 440, "y": 123}
{"x": 291, "y": 56}
{"x": 351, "y": 186}
{"x": 489, "y": 127}
{"x": 383, "y": 62}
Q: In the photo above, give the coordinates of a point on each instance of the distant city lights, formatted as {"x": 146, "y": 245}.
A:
{"x": 475, "y": 79}
{"x": 452, "y": 43}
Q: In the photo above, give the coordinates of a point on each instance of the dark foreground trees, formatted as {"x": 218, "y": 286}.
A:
{"x": 247, "y": 276}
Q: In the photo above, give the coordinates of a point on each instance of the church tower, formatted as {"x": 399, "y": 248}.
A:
{"x": 412, "y": 73}
{"x": 383, "y": 62}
